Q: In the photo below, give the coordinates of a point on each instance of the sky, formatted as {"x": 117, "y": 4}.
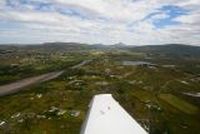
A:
{"x": 133, "y": 22}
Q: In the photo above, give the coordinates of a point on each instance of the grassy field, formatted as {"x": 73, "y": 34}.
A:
{"x": 180, "y": 104}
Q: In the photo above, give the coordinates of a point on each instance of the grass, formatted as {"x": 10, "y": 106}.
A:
{"x": 143, "y": 96}
{"x": 179, "y": 104}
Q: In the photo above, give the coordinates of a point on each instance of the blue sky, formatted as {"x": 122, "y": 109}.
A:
{"x": 134, "y": 22}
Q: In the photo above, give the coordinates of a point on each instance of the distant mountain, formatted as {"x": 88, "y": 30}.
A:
{"x": 48, "y": 47}
{"x": 170, "y": 50}
{"x": 62, "y": 46}
{"x": 120, "y": 44}
{"x": 173, "y": 50}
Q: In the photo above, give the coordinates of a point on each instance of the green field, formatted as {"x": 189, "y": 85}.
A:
{"x": 180, "y": 104}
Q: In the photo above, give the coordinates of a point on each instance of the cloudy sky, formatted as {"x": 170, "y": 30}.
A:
{"x": 134, "y": 22}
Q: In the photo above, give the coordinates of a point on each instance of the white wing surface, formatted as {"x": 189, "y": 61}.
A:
{"x": 106, "y": 116}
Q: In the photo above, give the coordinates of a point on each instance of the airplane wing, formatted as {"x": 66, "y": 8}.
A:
{"x": 106, "y": 116}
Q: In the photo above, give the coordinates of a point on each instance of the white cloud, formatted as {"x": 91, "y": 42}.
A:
{"x": 109, "y": 21}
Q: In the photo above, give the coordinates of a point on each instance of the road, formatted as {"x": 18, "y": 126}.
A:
{"x": 19, "y": 85}
{"x": 81, "y": 64}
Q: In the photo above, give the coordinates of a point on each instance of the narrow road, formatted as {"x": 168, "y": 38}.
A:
{"x": 81, "y": 64}
{"x": 19, "y": 85}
